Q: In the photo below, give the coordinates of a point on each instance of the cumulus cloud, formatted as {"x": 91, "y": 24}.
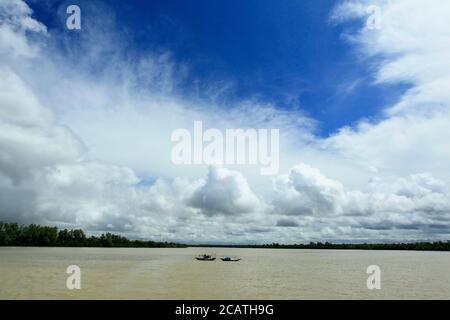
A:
{"x": 306, "y": 191}
{"x": 415, "y": 202}
{"x": 225, "y": 192}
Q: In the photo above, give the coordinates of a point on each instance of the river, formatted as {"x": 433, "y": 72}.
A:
{"x": 127, "y": 273}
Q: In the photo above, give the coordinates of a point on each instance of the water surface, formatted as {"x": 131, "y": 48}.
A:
{"x": 116, "y": 273}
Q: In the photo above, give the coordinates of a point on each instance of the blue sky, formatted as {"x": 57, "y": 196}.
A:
{"x": 282, "y": 52}
{"x": 86, "y": 118}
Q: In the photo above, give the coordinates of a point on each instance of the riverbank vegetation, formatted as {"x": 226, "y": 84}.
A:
{"x": 418, "y": 246}
{"x": 13, "y": 234}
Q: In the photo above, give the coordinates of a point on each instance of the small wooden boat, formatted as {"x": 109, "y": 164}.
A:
{"x": 230, "y": 259}
{"x": 205, "y": 257}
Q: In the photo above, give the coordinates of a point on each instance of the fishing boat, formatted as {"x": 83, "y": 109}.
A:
{"x": 205, "y": 257}
{"x": 230, "y": 259}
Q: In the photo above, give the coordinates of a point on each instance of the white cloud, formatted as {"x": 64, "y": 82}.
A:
{"x": 15, "y": 22}
{"x": 415, "y": 202}
{"x": 411, "y": 48}
{"x": 225, "y": 192}
{"x": 306, "y": 191}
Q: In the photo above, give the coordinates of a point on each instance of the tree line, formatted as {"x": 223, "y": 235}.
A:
{"x": 13, "y": 234}
{"x": 418, "y": 246}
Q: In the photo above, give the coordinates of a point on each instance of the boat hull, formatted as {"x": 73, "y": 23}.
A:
{"x": 205, "y": 259}
{"x": 230, "y": 259}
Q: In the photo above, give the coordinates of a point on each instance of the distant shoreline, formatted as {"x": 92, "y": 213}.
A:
{"x": 413, "y": 246}
{"x": 15, "y": 235}
{"x": 356, "y": 247}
